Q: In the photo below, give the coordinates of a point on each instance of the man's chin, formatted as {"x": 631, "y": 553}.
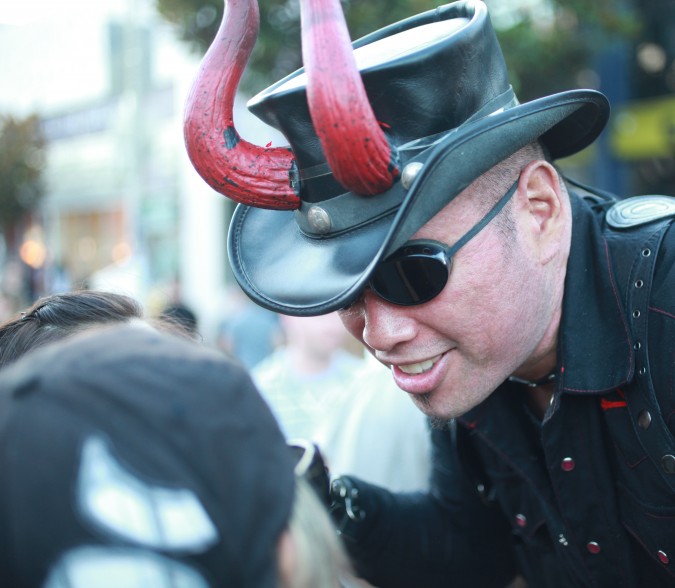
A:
{"x": 437, "y": 416}
{"x": 438, "y": 413}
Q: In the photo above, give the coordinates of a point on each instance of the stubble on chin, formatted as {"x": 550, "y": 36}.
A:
{"x": 439, "y": 423}
{"x": 423, "y": 402}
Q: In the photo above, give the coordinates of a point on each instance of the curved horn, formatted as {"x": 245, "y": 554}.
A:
{"x": 244, "y": 172}
{"x": 355, "y": 146}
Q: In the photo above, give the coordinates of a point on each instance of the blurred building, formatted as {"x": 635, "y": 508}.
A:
{"x": 124, "y": 208}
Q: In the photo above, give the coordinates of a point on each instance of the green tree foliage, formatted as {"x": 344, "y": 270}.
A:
{"x": 544, "y": 54}
{"x": 21, "y": 163}
{"x": 552, "y": 54}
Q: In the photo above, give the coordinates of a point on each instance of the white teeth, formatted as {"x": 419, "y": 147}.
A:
{"x": 419, "y": 367}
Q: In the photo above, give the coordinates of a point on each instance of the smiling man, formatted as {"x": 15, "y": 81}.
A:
{"x": 532, "y": 319}
{"x": 498, "y": 311}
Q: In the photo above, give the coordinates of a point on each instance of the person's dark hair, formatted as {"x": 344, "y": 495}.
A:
{"x": 182, "y": 316}
{"x": 55, "y": 317}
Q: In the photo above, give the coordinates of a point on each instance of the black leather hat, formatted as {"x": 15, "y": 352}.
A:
{"x": 439, "y": 88}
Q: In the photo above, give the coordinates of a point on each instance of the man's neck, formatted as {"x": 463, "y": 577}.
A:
{"x": 539, "y": 399}
{"x": 539, "y": 375}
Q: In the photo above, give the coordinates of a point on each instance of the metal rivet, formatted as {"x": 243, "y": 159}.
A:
{"x": 637, "y": 345}
{"x": 663, "y": 557}
{"x": 593, "y": 547}
{"x": 636, "y": 313}
{"x": 318, "y": 219}
{"x": 521, "y": 520}
{"x": 668, "y": 463}
{"x": 567, "y": 464}
{"x": 644, "y": 419}
{"x": 639, "y": 283}
{"x": 642, "y": 371}
{"x": 646, "y": 252}
{"x": 409, "y": 173}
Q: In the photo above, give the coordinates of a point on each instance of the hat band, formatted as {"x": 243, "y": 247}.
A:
{"x": 349, "y": 211}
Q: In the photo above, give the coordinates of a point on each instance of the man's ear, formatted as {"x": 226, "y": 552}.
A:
{"x": 539, "y": 186}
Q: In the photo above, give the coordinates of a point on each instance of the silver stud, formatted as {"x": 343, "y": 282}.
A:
{"x": 409, "y": 173}
{"x": 318, "y": 219}
{"x": 644, "y": 419}
{"x": 668, "y": 463}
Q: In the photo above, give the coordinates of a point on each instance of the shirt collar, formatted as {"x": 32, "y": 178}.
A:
{"x": 594, "y": 349}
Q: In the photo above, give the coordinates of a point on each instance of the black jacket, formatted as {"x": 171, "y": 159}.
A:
{"x": 585, "y": 497}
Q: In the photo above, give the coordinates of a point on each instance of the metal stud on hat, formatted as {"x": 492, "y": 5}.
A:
{"x": 410, "y": 172}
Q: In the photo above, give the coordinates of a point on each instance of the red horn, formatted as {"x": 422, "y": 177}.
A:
{"x": 244, "y": 172}
{"x": 355, "y": 146}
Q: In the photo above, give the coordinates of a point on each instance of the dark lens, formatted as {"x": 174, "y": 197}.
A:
{"x": 411, "y": 277}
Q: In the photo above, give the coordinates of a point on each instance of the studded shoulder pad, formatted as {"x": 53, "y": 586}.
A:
{"x": 640, "y": 210}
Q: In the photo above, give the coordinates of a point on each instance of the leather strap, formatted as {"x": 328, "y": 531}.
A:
{"x": 656, "y": 439}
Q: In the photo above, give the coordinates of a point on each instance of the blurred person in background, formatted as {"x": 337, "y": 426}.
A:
{"x": 305, "y": 378}
{"x": 376, "y": 433}
{"x": 320, "y": 391}
{"x": 248, "y": 332}
{"x": 132, "y": 458}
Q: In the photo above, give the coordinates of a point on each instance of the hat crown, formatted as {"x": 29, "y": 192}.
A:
{"x": 424, "y": 75}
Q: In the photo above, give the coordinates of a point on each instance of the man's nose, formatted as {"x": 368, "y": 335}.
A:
{"x": 385, "y": 325}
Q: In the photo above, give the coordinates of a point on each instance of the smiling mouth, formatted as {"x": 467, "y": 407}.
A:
{"x": 419, "y": 367}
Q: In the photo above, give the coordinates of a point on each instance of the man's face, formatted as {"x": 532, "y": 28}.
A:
{"x": 450, "y": 353}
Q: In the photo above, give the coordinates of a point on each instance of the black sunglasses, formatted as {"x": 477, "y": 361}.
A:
{"x": 418, "y": 271}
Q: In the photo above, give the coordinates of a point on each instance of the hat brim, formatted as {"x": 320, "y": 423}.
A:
{"x": 283, "y": 269}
